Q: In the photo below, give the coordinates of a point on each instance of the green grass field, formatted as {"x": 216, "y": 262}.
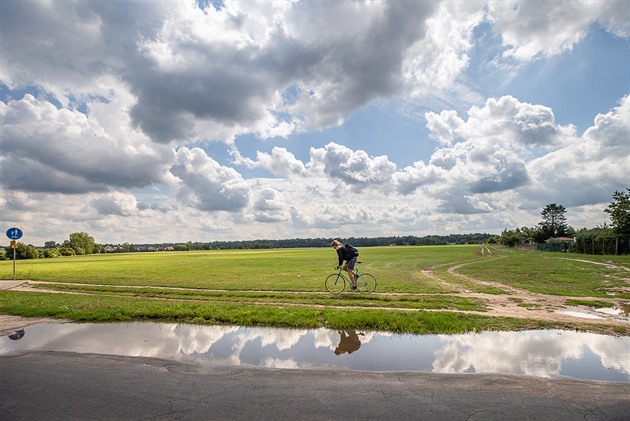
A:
{"x": 419, "y": 288}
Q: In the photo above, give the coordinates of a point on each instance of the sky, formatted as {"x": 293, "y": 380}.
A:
{"x": 174, "y": 121}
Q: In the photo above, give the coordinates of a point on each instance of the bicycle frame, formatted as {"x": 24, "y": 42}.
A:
{"x": 344, "y": 274}
{"x": 366, "y": 283}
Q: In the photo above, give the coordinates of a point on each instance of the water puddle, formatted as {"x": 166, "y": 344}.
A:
{"x": 581, "y": 314}
{"x": 611, "y": 311}
{"x": 548, "y": 353}
{"x": 617, "y": 313}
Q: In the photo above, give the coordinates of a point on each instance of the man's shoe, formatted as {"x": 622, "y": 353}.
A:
{"x": 353, "y": 288}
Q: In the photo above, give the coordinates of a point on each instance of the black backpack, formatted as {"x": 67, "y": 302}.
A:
{"x": 352, "y": 249}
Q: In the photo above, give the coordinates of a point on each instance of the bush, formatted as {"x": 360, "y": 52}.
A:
{"x": 24, "y": 251}
{"x": 51, "y": 253}
{"x": 67, "y": 251}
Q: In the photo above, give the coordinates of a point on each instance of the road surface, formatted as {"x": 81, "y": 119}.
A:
{"x": 70, "y": 386}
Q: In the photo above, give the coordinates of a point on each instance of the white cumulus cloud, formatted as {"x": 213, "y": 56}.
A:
{"x": 206, "y": 184}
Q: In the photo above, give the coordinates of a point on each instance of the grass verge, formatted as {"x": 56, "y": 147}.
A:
{"x": 109, "y": 309}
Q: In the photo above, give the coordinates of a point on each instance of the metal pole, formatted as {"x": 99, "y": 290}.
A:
{"x": 14, "y": 264}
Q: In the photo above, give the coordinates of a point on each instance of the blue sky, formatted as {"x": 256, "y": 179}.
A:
{"x": 193, "y": 120}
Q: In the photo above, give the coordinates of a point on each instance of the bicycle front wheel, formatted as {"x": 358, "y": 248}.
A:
{"x": 366, "y": 283}
{"x": 335, "y": 283}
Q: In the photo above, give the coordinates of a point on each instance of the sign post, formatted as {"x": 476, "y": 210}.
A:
{"x": 14, "y": 234}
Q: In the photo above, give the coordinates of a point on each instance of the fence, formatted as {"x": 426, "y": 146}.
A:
{"x": 557, "y": 247}
{"x": 608, "y": 245}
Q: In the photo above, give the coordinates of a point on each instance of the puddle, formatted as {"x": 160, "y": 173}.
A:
{"x": 581, "y": 314}
{"x": 611, "y": 311}
{"x": 548, "y": 353}
{"x": 618, "y": 313}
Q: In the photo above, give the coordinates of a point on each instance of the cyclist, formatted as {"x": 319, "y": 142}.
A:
{"x": 349, "y": 254}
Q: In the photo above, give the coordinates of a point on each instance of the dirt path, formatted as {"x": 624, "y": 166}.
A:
{"x": 524, "y": 304}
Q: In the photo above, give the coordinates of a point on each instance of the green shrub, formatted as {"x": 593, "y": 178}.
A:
{"x": 67, "y": 251}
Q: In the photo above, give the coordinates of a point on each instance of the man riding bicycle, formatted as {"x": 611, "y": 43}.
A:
{"x": 349, "y": 254}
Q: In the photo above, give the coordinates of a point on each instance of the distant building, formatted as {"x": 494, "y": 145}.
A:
{"x": 565, "y": 239}
{"x": 557, "y": 244}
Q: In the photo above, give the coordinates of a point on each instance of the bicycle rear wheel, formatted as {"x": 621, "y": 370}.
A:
{"x": 335, "y": 283}
{"x": 366, "y": 283}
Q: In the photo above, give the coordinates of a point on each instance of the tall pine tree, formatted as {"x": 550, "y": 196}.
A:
{"x": 554, "y": 223}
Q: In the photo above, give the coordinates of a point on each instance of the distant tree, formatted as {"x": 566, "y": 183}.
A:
{"x": 197, "y": 245}
{"x": 50, "y": 244}
{"x": 619, "y": 210}
{"x": 511, "y": 238}
{"x": 554, "y": 223}
{"x": 81, "y": 243}
{"x": 26, "y": 252}
{"x": 492, "y": 240}
{"x": 535, "y": 234}
{"x": 125, "y": 248}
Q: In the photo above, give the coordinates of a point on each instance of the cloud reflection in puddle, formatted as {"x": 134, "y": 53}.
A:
{"x": 549, "y": 353}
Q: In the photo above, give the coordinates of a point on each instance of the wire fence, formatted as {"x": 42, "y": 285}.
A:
{"x": 605, "y": 246}
{"x": 609, "y": 245}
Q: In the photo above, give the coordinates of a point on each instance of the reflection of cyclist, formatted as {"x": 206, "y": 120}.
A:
{"x": 350, "y": 257}
{"x": 348, "y": 342}
{"x": 17, "y": 335}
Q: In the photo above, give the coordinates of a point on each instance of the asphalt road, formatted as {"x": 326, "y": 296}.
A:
{"x": 69, "y": 386}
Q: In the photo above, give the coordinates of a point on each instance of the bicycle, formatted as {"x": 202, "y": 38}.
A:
{"x": 336, "y": 282}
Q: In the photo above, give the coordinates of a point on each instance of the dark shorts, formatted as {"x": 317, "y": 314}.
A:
{"x": 351, "y": 262}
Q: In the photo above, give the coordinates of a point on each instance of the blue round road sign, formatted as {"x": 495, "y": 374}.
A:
{"x": 14, "y": 233}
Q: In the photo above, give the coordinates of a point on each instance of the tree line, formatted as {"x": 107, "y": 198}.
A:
{"x": 78, "y": 243}
{"x": 613, "y": 238}
{"x": 81, "y": 243}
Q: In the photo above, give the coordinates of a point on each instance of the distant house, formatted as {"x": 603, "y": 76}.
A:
{"x": 108, "y": 249}
{"x": 557, "y": 244}
{"x": 564, "y": 239}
